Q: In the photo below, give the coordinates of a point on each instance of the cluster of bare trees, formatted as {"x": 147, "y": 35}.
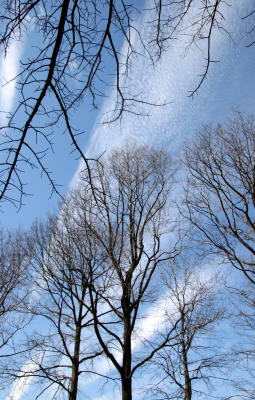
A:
{"x": 68, "y": 64}
{"x": 94, "y": 267}
{"x": 114, "y": 247}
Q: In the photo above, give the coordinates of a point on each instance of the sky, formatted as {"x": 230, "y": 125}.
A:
{"x": 230, "y": 84}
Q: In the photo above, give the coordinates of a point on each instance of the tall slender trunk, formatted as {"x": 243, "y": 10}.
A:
{"x": 75, "y": 365}
{"x": 76, "y": 353}
{"x": 126, "y": 378}
{"x": 188, "y": 389}
{"x": 126, "y": 388}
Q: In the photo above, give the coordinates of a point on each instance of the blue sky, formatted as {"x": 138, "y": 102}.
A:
{"x": 230, "y": 84}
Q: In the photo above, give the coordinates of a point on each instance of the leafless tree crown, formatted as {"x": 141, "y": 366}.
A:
{"x": 77, "y": 40}
{"x": 66, "y": 262}
{"x": 220, "y": 197}
{"x": 190, "y": 356}
{"x": 15, "y": 259}
{"x": 129, "y": 217}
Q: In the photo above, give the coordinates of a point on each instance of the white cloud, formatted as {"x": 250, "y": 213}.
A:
{"x": 23, "y": 384}
{"x": 166, "y": 126}
{"x": 169, "y": 81}
{"x": 8, "y": 71}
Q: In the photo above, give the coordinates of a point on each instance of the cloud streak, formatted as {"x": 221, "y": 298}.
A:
{"x": 166, "y": 126}
{"x": 23, "y": 384}
{"x": 170, "y": 125}
{"x": 8, "y": 71}
{"x": 170, "y": 80}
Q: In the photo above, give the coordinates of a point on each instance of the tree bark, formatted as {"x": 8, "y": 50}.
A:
{"x": 188, "y": 389}
{"x": 126, "y": 388}
{"x": 76, "y": 357}
{"x": 127, "y": 351}
{"x": 75, "y": 365}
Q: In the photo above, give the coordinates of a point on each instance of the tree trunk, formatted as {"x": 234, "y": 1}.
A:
{"x": 126, "y": 388}
{"x": 188, "y": 389}
{"x": 75, "y": 362}
{"x": 74, "y": 381}
{"x": 126, "y": 378}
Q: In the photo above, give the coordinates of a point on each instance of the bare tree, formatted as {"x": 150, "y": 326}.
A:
{"x": 220, "y": 201}
{"x": 15, "y": 261}
{"x": 220, "y": 197}
{"x": 243, "y": 349}
{"x": 66, "y": 260}
{"x": 192, "y": 357}
{"x": 76, "y": 41}
{"x": 129, "y": 217}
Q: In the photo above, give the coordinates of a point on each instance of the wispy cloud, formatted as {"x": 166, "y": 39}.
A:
{"x": 23, "y": 384}
{"x": 9, "y": 68}
{"x": 166, "y": 126}
{"x": 170, "y": 81}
